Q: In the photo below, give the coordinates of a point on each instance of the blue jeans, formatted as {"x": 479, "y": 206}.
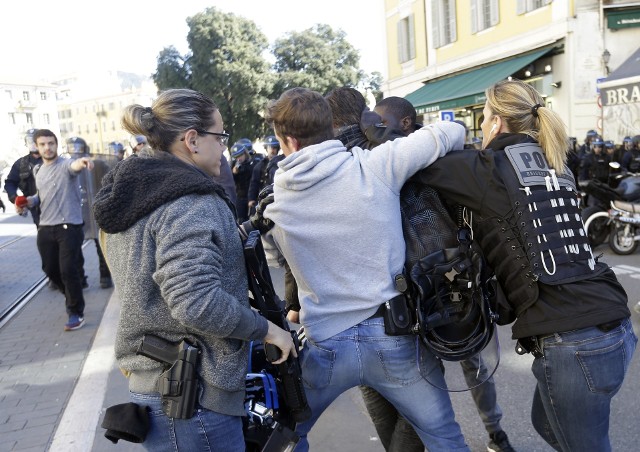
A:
{"x": 205, "y": 431}
{"x": 365, "y": 355}
{"x": 578, "y": 375}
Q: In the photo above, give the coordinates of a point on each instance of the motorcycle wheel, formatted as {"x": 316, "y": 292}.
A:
{"x": 599, "y": 227}
{"x": 621, "y": 239}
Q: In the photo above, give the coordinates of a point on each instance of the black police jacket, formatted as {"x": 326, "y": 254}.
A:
{"x": 553, "y": 284}
{"x": 22, "y": 177}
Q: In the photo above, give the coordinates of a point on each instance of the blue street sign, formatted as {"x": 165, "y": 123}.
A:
{"x": 447, "y": 115}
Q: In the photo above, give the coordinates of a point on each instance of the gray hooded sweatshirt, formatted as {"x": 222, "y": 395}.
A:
{"x": 337, "y": 223}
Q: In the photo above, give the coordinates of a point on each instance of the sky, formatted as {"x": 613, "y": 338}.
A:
{"x": 43, "y": 39}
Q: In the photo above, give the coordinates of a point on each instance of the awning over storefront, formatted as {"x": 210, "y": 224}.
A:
{"x": 468, "y": 88}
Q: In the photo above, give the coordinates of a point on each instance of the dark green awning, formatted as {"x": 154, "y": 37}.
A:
{"x": 467, "y": 88}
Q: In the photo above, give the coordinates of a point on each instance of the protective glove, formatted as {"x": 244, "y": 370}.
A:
{"x": 257, "y": 220}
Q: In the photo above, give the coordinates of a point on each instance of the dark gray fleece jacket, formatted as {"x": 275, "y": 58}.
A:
{"x": 176, "y": 258}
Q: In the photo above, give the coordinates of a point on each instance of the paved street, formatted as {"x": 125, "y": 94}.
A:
{"x": 54, "y": 386}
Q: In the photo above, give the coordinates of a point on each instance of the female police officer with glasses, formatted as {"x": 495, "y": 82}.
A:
{"x": 177, "y": 261}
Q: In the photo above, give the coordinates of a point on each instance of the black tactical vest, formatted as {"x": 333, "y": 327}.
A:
{"x": 27, "y": 183}
{"x": 542, "y": 236}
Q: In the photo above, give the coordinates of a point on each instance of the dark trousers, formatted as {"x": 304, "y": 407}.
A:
{"x": 60, "y": 249}
{"x": 104, "y": 268}
{"x": 395, "y": 432}
{"x": 242, "y": 209}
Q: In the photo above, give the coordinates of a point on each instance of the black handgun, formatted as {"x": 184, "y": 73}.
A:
{"x": 178, "y": 384}
{"x": 265, "y": 300}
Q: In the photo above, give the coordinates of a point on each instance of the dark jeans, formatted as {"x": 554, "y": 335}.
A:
{"x": 242, "y": 209}
{"x": 60, "y": 249}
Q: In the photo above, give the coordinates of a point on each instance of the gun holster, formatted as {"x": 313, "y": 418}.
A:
{"x": 127, "y": 421}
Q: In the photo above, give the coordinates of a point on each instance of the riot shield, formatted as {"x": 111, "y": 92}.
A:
{"x": 90, "y": 183}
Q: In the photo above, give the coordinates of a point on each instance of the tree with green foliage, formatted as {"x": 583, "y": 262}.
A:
{"x": 318, "y": 58}
{"x": 172, "y": 70}
{"x": 226, "y": 63}
{"x": 373, "y": 83}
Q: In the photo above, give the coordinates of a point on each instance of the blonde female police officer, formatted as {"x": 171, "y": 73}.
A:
{"x": 570, "y": 311}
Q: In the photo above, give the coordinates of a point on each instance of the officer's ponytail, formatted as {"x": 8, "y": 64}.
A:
{"x": 522, "y": 108}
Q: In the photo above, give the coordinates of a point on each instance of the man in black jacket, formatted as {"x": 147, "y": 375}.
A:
{"x": 22, "y": 176}
{"x": 242, "y": 168}
{"x": 265, "y": 169}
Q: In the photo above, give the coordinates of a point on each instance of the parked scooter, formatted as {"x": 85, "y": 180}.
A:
{"x": 622, "y": 221}
{"x": 625, "y": 227}
{"x": 596, "y": 196}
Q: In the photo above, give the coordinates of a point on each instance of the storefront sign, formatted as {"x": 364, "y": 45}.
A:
{"x": 622, "y": 94}
{"x": 626, "y": 19}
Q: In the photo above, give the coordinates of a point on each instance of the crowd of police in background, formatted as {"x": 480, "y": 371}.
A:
{"x": 591, "y": 160}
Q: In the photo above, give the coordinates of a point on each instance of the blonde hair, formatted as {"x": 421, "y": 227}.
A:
{"x": 172, "y": 113}
{"x": 522, "y": 108}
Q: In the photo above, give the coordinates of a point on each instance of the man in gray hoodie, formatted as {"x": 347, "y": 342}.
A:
{"x": 337, "y": 224}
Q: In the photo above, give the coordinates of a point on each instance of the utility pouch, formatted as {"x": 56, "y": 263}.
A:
{"x": 127, "y": 421}
{"x": 397, "y": 316}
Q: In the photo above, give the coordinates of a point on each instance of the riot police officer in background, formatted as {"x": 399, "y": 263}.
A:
{"x": 595, "y": 165}
{"x": 22, "y": 176}
{"x": 631, "y": 159}
{"x": 586, "y": 147}
{"x": 242, "y": 168}
{"x": 116, "y": 149}
{"x": 90, "y": 184}
{"x": 265, "y": 169}
{"x": 573, "y": 157}
{"x": 613, "y": 152}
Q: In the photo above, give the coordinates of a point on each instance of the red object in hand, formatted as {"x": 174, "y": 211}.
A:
{"x": 21, "y": 201}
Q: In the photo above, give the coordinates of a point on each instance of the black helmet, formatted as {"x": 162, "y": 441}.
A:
{"x": 77, "y": 145}
{"x": 271, "y": 141}
{"x": 454, "y": 307}
{"x": 241, "y": 146}
{"x": 28, "y": 140}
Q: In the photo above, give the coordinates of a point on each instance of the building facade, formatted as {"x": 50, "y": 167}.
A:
{"x": 80, "y": 105}
{"x": 90, "y": 106}
{"x": 443, "y": 54}
{"x": 24, "y": 105}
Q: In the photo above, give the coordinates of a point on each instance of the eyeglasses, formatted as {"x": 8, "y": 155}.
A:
{"x": 223, "y": 138}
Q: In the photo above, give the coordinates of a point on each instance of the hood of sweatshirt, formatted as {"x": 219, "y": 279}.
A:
{"x": 136, "y": 186}
{"x": 310, "y": 165}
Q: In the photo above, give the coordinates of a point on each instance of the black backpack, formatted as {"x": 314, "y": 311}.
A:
{"x": 450, "y": 290}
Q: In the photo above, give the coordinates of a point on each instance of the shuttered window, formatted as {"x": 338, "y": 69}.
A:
{"x": 524, "y": 6}
{"x": 443, "y": 25}
{"x": 484, "y": 14}
{"x": 406, "y": 39}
